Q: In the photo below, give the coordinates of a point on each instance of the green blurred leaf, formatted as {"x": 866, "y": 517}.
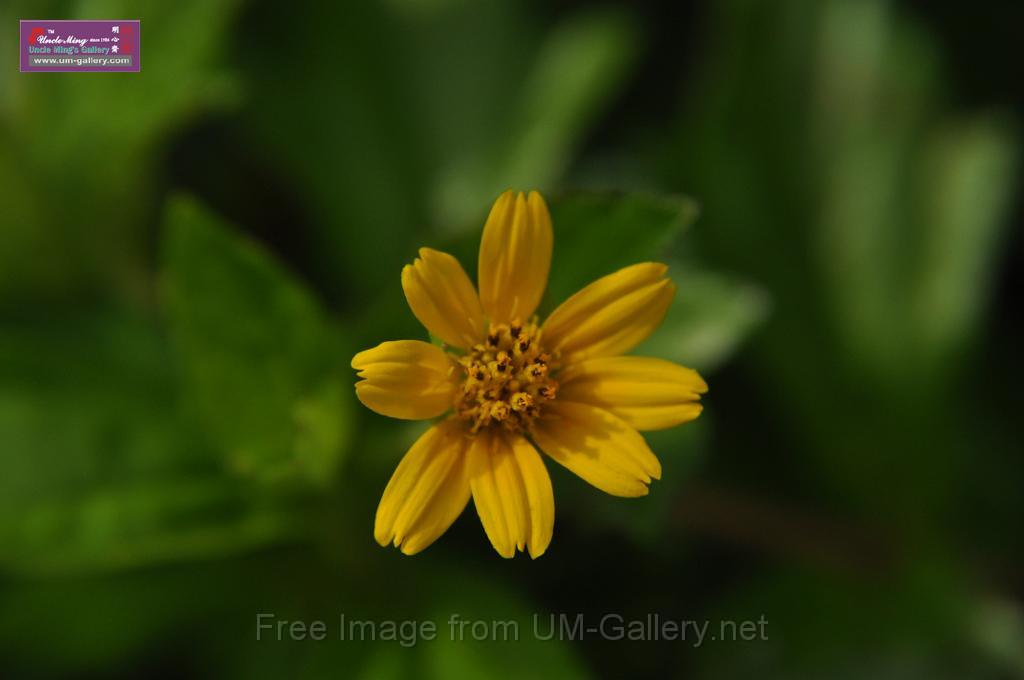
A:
{"x": 576, "y": 71}
{"x": 102, "y": 469}
{"x": 384, "y": 664}
{"x": 911, "y": 621}
{"x": 495, "y": 639}
{"x": 998, "y": 628}
{"x": 833, "y": 175}
{"x": 117, "y": 526}
{"x": 968, "y": 177}
{"x": 465, "y": 66}
{"x": 262, "y": 364}
{"x": 106, "y": 625}
{"x": 598, "y": 233}
{"x": 63, "y": 627}
{"x": 710, "y": 317}
{"x": 351, "y": 149}
{"x": 913, "y": 201}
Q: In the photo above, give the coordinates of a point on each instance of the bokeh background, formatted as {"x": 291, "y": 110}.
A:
{"x": 190, "y": 256}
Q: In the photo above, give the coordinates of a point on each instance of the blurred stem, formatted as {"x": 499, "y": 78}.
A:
{"x": 788, "y": 532}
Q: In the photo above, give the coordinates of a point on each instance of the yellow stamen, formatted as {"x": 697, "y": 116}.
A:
{"x": 506, "y": 379}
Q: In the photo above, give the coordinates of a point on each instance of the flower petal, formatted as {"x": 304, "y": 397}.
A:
{"x": 443, "y": 299}
{"x": 649, "y": 394}
{"x": 515, "y": 257}
{"x": 428, "y": 490}
{"x": 612, "y": 315}
{"x": 598, "y": 446}
{"x": 512, "y": 493}
{"x": 407, "y": 379}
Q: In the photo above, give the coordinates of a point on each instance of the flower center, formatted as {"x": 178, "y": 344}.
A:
{"x": 506, "y": 378}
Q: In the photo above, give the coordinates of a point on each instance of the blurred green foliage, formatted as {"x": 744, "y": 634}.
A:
{"x": 877, "y": 238}
{"x": 190, "y": 256}
{"x": 260, "y": 359}
{"x": 890, "y": 215}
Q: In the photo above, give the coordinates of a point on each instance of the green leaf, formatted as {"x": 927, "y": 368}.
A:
{"x": 708, "y": 320}
{"x": 598, "y": 233}
{"x": 965, "y": 192}
{"x": 578, "y": 69}
{"x": 132, "y": 525}
{"x": 347, "y": 118}
{"x": 915, "y": 623}
{"x": 998, "y": 628}
{"x": 104, "y": 624}
{"x": 102, "y": 469}
{"x": 262, "y": 364}
{"x": 496, "y": 637}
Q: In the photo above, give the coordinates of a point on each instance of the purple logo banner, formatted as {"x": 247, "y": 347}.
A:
{"x": 88, "y": 45}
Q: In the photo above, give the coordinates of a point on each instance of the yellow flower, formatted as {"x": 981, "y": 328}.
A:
{"x": 512, "y": 387}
